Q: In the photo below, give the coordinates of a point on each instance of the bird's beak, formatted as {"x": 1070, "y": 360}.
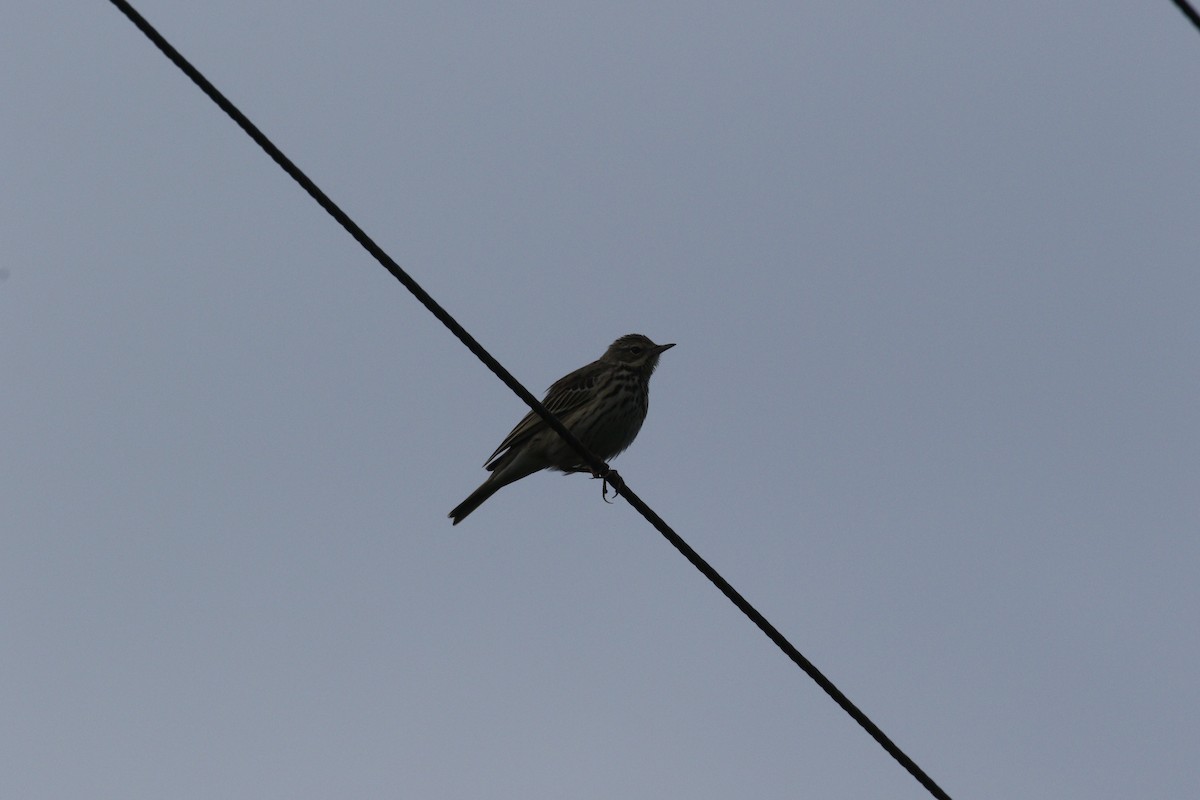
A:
{"x": 659, "y": 348}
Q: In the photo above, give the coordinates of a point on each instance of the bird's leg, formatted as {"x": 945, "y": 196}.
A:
{"x": 609, "y": 477}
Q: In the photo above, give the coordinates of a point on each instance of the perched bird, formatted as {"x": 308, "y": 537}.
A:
{"x": 603, "y": 404}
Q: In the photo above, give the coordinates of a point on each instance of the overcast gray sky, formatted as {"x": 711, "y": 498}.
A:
{"x": 932, "y": 272}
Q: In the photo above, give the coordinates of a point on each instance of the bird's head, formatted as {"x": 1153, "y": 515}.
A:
{"x": 636, "y": 351}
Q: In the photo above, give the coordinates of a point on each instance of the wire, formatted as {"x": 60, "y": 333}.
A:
{"x": 1188, "y": 12}
{"x": 360, "y": 236}
{"x": 599, "y": 467}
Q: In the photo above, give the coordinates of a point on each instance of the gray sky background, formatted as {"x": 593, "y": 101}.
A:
{"x": 932, "y": 270}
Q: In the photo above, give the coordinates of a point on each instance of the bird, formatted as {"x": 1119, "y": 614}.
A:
{"x": 603, "y": 404}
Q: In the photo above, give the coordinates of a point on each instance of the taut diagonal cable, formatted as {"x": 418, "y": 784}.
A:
{"x": 598, "y": 467}
{"x": 358, "y": 233}
{"x": 1188, "y": 11}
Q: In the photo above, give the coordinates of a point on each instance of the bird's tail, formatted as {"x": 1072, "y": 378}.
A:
{"x": 512, "y": 466}
{"x": 475, "y": 499}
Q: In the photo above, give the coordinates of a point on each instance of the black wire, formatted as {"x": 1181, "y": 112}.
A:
{"x": 1188, "y": 12}
{"x": 787, "y": 647}
{"x": 359, "y": 235}
{"x": 599, "y": 467}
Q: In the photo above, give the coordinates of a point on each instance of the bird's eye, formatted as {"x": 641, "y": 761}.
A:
{"x": 635, "y": 350}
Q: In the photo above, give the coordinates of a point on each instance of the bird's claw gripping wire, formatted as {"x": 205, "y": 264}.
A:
{"x": 609, "y": 477}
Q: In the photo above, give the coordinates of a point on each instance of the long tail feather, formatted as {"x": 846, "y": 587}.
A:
{"x": 475, "y": 500}
{"x": 512, "y": 466}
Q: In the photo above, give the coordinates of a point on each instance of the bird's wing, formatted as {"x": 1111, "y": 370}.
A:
{"x": 567, "y": 393}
